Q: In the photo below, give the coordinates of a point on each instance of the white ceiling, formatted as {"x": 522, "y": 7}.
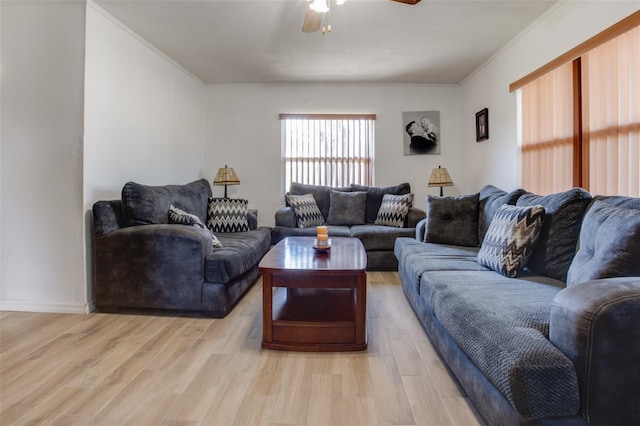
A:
{"x": 373, "y": 41}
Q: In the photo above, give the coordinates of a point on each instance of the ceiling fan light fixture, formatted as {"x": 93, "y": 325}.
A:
{"x": 319, "y": 6}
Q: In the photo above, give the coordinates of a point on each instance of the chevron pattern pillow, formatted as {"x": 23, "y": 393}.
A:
{"x": 393, "y": 210}
{"x": 306, "y": 209}
{"x": 227, "y": 215}
{"x": 510, "y": 239}
{"x": 180, "y": 217}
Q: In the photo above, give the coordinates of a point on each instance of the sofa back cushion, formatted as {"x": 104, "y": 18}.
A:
{"x": 347, "y": 208}
{"x": 375, "y": 194}
{"x": 558, "y": 239}
{"x": 452, "y": 220}
{"x": 144, "y": 204}
{"x": 491, "y": 198}
{"x": 609, "y": 244}
{"x": 321, "y": 193}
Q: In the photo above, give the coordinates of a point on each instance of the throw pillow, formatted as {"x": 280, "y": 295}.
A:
{"x": 491, "y": 198}
{"x": 321, "y": 194}
{"x": 347, "y": 208}
{"x": 180, "y": 217}
{"x": 559, "y": 235}
{"x": 452, "y": 220}
{"x": 609, "y": 244}
{"x": 306, "y": 210}
{"x": 393, "y": 210}
{"x": 510, "y": 239}
{"x": 375, "y": 195}
{"x": 227, "y": 215}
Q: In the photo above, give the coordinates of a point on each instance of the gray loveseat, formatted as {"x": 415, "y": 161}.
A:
{"x": 557, "y": 344}
{"x": 357, "y": 222}
{"x": 142, "y": 261}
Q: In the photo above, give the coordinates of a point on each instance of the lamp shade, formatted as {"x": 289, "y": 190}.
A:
{"x": 226, "y": 176}
{"x": 440, "y": 177}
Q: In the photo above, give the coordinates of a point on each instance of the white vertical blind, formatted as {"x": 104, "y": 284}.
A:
{"x": 327, "y": 150}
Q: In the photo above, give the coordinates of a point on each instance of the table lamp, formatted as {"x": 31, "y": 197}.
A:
{"x": 440, "y": 177}
{"x": 226, "y": 176}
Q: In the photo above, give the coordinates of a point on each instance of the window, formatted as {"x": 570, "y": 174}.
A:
{"x": 332, "y": 150}
{"x": 581, "y": 116}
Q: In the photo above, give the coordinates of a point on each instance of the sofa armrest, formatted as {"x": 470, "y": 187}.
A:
{"x": 107, "y": 216}
{"x": 252, "y": 219}
{"x": 159, "y": 266}
{"x": 286, "y": 217}
{"x": 414, "y": 216}
{"x": 421, "y": 229}
{"x": 597, "y": 325}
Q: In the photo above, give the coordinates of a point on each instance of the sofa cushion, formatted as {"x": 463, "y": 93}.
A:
{"x": 377, "y": 237}
{"x": 502, "y": 325}
{"x": 306, "y": 210}
{"x": 227, "y": 215}
{"x": 375, "y": 194}
{"x": 393, "y": 210}
{"x": 491, "y": 198}
{"x": 180, "y": 217}
{"x": 558, "y": 239}
{"x": 511, "y": 238}
{"x": 347, "y": 208}
{"x": 452, "y": 220}
{"x": 321, "y": 193}
{"x": 609, "y": 244}
{"x": 241, "y": 252}
{"x": 144, "y": 204}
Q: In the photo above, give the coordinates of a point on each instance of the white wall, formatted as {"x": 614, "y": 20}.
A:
{"x": 42, "y": 56}
{"x": 565, "y": 26}
{"x": 244, "y": 132}
{"x": 143, "y": 116}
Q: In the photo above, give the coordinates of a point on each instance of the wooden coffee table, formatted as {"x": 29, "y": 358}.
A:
{"x": 313, "y": 301}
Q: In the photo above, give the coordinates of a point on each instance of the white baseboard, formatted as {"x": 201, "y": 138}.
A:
{"x": 56, "y": 308}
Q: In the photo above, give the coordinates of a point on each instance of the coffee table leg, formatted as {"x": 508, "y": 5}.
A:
{"x": 361, "y": 308}
{"x": 267, "y": 307}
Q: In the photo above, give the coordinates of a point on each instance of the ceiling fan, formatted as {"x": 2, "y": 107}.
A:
{"x": 317, "y": 9}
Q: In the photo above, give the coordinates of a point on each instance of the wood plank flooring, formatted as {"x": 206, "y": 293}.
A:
{"x": 173, "y": 368}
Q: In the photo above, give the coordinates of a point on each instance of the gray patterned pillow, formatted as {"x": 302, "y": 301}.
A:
{"x": 227, "y": 215}
{"x": 306, "y": 210}
{"x": 510, "y": 239}
{"x": 180, "y": 217}
{"x": 393, "y": 210}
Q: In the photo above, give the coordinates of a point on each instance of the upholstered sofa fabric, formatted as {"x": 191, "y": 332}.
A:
{"x": 452, "y": 220}
{"x": 240, "y": 252}
{"x": 609, "y": 244}
{"x": 558, "y": 239}
{"x": 375, "y": 195}
{"x": 169, "y": 266}
{"x": 530, "y": 350}
{"x": 347, "y": 208}
{"x": 502, "y": 324}
{"x": 145, "y": 204}
{"x": 378, "y": 240}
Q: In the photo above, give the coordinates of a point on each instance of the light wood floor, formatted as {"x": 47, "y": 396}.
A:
{"x": 172, "y": 368}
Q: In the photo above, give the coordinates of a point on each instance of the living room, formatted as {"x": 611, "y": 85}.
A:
{"x": 87, "y": 105}
{"x": 92, "y": 136}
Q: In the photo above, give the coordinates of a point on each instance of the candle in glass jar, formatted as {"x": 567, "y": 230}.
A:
{"x": 322, "y": 230}
{"x": 322, "y": 240}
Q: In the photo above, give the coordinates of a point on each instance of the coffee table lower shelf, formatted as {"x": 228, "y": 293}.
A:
{"x": 314, "y": 320}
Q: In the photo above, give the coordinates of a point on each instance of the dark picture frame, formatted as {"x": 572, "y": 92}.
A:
{"x": 482, "y": 125}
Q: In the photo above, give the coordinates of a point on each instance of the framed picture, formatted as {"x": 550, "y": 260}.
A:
{"x": 482, "y": 125}
{"x": 421, "y": 130}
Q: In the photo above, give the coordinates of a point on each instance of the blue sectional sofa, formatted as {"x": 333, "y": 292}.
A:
{"x": 559, "y": 343}
{"x": 142, "y": 261}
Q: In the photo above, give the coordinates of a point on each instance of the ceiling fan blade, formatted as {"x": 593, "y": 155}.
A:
{"x": 408, "y": 1}
{"x": 312, "y": 21}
